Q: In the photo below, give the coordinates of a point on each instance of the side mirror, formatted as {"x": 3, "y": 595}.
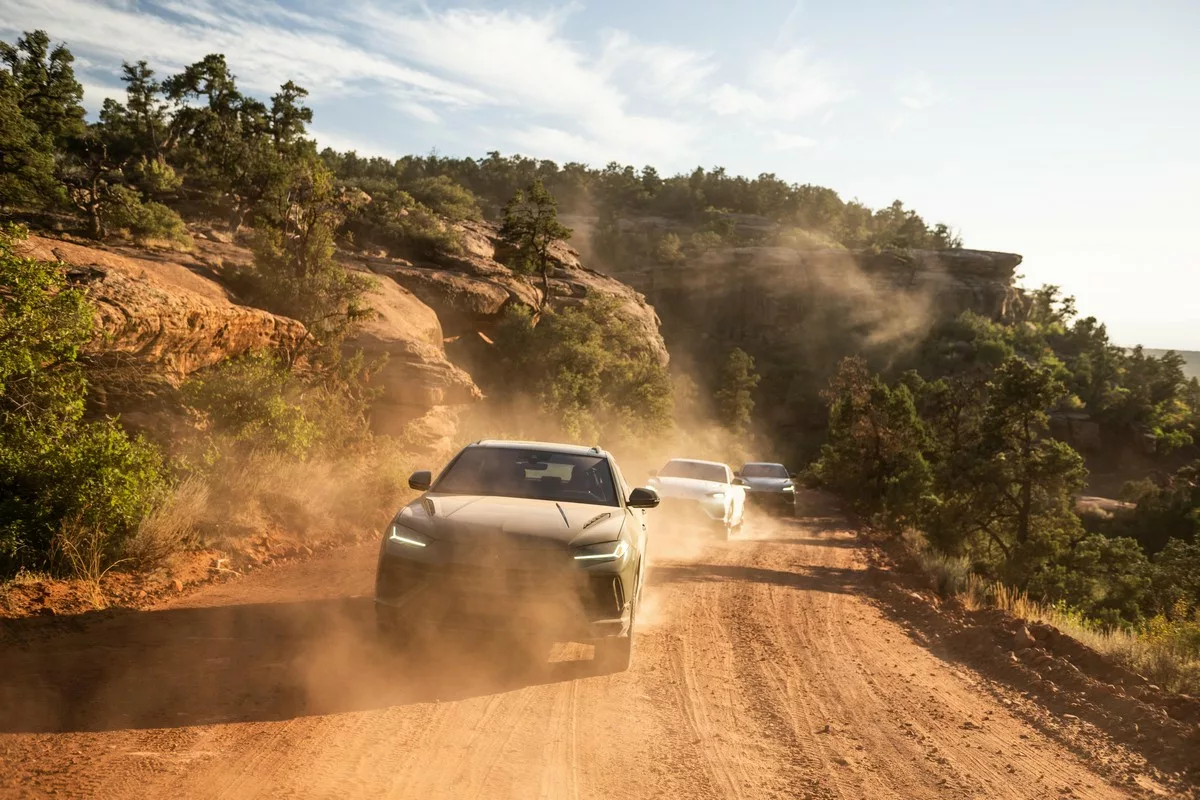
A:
{"x": 420, "y": 480}
{"x": 737, "y": 473}
{"x": 793, "y": 476}
{"x": 643, "y": 498}
{"x": 740, "y": 482}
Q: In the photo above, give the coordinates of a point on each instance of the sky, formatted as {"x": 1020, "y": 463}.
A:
{"x": 1064, "y": 130}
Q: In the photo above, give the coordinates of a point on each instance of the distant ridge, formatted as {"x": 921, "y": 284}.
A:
{"x": 1191, "y": 359}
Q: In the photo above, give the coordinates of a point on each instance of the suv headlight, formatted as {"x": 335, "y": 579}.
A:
{"x": 717, "y": 496}
{"x": 605, "y": 551}
{"x": 406, "y": 536}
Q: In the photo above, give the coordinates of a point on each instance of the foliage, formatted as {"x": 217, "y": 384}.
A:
{"x": 26, "y": 157}
{"x": 445, "y": 197}
{"x": 57, "y": 472}
{"x": 295, "y": 271}
{"x": 874, "y": 456}
{"x": 405, "y": 228}
{"x": 44, "y": 81}
{"x": 253, "y": 399}
{"x": 734, "y": 398}
{"x": 619, "y": 190}
{"x": 124, "y": 209}
{"x": 586, "y": 367}
{"x": 530, "y": 226}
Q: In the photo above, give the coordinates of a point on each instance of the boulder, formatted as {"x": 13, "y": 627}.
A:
{"x": 416, "y": 379}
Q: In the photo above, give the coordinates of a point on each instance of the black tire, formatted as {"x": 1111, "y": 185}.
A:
{"x": 615, "y": 653}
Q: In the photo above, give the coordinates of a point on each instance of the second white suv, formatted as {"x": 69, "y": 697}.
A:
{"x": 706, "y": 492}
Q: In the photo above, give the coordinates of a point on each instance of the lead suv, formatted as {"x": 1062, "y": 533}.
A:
{"x": 546, "y": 538}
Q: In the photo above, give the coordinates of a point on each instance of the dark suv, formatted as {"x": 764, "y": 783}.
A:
{"x": 769, "y": 486}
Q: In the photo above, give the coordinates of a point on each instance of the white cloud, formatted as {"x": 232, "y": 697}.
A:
{"x": 918, "y": 93}
{"x": 661, "y": 71}
{"x": 781, "y": 86}
{"x": 781, "y": 140}
{"x": 513, "y": 73}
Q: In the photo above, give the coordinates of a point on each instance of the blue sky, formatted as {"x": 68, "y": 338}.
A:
{"x": 1063, "y": 130}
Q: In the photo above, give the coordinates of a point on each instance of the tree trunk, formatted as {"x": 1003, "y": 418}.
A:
{"x": 95, "y": 229}
{"x": 545, "y": 287}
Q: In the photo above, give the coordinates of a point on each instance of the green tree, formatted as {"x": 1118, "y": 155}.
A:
{"x": 530, "y": 226}
{"x": 587, "y": 367}
{"x": 44, "y": 79}
{"x": 734, "y": 398}
{"x": 875, "y": 453}
{"x": 295, "y": 271}
{"x": 26, "y": 158}
{"x": 1016, "y": 484}
{"x": 668, "y": 249}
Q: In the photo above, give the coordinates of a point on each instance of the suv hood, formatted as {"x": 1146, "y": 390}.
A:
{"x": 464, "y": 518}
{"x": 687, "y": 488}
{"x": 768, "y": 484}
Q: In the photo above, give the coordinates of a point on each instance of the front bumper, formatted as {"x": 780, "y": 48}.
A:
{"x": 680, "y": 512}
{"x": 772, "y": 501}
{"x": 544, "y": 592}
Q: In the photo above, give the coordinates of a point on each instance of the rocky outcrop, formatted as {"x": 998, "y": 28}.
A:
{"x": 162, "y": 316}
{"x": 421, "y": 391}
{"x": 154, "y": 313}
{"x": 470, "y": 292}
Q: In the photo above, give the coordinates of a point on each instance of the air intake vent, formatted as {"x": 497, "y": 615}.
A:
{"x": 595, "y": 519}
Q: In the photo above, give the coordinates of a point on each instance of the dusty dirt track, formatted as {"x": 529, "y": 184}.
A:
{"x": 761, "y": 670}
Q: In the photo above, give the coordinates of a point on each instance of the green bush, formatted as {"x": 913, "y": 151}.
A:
{"x": 259, "y": 403}
{"x": 445, "y": 197}
{"x": 586, "y": 367}
{"x": 144, "y": 220}
{"x": 58, "y": 473}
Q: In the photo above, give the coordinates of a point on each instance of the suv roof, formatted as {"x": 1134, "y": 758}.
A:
{"x": 575, "y": 449}
{"x": 762, "y": 464}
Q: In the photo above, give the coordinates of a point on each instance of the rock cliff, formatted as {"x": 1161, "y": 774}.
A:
{"x": 470, "y": 292}
{"x": 161, "y": 317}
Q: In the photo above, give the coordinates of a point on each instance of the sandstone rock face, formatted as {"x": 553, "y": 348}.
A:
{"x": 421, "y": 389}
{"x": 159, "y": 315}
{"x": 469, "y": 293}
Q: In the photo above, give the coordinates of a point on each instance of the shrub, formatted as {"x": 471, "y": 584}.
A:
{"x": 444, "y": 196}
{"x": 66, "y": 485}
{"x": 144, "y": 220}
{"x": 586, "y": 367}
{"x": 257, "y": 402}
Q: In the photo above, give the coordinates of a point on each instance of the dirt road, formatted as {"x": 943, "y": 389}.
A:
{"x": 761, "y": 670}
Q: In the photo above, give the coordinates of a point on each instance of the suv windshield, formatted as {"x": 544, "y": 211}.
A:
{"x": 539, "y": 475}
{"x": 694, "y": 470}
{"x": 764, "y": 471}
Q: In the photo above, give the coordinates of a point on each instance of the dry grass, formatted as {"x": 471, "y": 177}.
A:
{"x": 171, "y": 527}
{"x": 308, "y": 500}
{"x": 81, "y": 551}
{"x": 1165, "y": 650}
